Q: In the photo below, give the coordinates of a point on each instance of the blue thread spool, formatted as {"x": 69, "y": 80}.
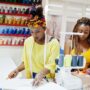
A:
{"x": 80, "y": 60}
{"x": 74, "y": 61}
{"x": 28, "y": 31}
{"x": 0, "y": 31}
{"x": 61, "y": 51}
{"x": 12, "y": 31}
{"x": 3, "y": 31}
{"x": 61, "y": 60}
{"x": 19, "y": 31}
{"x": 7, "y": 31}
{"x": 15, "y": 31}
{"x": 23, "y": 30}
{"x": 56, "y": 61}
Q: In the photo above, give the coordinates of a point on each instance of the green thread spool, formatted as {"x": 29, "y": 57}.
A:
{"x": 67, "y": 60}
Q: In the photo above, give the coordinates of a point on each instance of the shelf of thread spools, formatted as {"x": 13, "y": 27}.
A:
{"x": 25, "y": 11}
{"x": 21, "y": 2}
{"x": 13, "y": 21}
{"x": 13, "y": 36}
{"x": 11, "y": 41}
{"x": 16, "y": 15}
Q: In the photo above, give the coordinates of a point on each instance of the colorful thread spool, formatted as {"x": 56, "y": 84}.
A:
{"x": 74, "y": 61}
{"x": 80, "y": 60}
{"x": 67, "y": 60}
{"x": 61, "y": 60}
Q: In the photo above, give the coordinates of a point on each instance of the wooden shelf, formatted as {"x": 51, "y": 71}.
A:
{"x": 15, "y": 35}
{"x": 24, "y": 15}
{"x": 13, "y": 25}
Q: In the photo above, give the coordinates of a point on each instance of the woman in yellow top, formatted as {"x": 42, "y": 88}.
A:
{"x": 81, "y": 44}
{"x": 36, "y": 63}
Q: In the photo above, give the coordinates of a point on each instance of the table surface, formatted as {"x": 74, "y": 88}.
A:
{"x": 26, "y": 84}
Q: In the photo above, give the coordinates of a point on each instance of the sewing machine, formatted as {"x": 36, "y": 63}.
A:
{"x": 64, "y": 65}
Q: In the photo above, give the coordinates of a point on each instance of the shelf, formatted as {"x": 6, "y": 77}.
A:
{"x": 15, "y": 35}
{"x": 24, "y": 15}
{"x": 20, "y": 4}
{"x": 11, "y": 45}
{"x": 13, "y": 25}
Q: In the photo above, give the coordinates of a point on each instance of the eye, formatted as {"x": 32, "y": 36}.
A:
{"x": 86, "y": 32}
{"x": 35, "y": 31}
{"x": 80, "y": 31}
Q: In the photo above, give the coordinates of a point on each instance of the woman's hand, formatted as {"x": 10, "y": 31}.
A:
{"x": 39, "y": 77}
{"x": 88, "y": 71}
{"x": 13, "y": 74}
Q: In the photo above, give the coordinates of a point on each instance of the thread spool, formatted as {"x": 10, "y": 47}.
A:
{"x": 67, "y": 60}
{"x": 61, "y": 60}
{"x": 80, "y": 60}
{"x": 74, "y": 61}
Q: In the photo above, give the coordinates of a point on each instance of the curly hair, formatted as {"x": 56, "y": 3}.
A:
{"x": 86, "y": 22}
{"x": 83, "y": 20}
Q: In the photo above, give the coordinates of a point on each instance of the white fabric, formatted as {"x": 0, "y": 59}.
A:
{"x": 47, "y": 86}
{"x": 26, "y": 84}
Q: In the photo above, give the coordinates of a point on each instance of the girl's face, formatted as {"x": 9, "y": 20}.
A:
{"x": 38, "y": 34}
{"x": 85, "y": 29}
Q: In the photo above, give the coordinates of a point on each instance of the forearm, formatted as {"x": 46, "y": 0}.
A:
{"x": 21, "y": 67}
{"x": 44, "y": 72}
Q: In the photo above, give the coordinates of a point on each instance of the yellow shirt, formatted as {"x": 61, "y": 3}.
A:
{"x": 37, "y": 56}
{"x": 85, "y": 54}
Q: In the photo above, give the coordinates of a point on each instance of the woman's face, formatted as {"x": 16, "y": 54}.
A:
{"x": 38, "y": 34}
{"x": 85, "y": 29}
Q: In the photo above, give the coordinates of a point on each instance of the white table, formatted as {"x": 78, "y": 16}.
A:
{"x": 26, "y": 84}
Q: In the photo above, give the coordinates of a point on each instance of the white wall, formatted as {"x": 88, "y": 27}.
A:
{"x": 11, "y": 51}
{"x": 70, "y": 11}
